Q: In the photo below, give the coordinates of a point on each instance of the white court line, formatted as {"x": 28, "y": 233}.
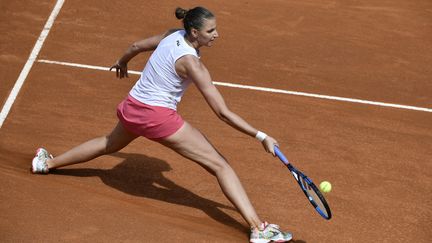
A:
{"x": 407, "y": 107}
{"x": 33, "y": 55}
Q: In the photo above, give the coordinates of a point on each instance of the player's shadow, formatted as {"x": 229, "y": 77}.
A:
{"x": 142, "y": 176}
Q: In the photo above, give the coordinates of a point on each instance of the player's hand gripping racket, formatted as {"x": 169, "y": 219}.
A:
{"x": 308, "y": 187}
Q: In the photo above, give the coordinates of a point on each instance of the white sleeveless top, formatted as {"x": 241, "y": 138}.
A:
{"x": 159, "y": 84}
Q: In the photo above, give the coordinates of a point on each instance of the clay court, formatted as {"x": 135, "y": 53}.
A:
{"x": 362, "y": 120}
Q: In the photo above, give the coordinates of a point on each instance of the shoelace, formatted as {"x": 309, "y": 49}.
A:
{"x": 274, "y": 226}
{"x": 43, "y": 156}
{"x": 264, "y": 225}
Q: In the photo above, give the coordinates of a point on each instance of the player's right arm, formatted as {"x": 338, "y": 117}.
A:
{"x": 148, "y": 44}
{"x": 190, "y": 67}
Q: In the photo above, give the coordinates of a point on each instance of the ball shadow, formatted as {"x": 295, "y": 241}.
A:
{"x": 142, "y": 176}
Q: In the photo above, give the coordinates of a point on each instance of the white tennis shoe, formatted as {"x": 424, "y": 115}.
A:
{"x": 39, "y": 163}
{"x": 269, "y": 233}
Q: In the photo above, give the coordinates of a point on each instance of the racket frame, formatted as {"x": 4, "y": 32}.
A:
{"x": 300, "y": 177}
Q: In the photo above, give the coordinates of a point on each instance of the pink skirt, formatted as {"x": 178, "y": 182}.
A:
{"x": 153, "y": 122}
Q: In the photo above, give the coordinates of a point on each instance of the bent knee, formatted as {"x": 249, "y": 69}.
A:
{"x": 110, "y": 145}
{"x": 220, "y": 167}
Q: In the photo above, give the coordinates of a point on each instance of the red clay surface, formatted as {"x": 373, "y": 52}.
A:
{"x": 377, "y": 158}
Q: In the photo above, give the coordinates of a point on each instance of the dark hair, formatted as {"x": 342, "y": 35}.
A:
{"x": 193, "y": 18}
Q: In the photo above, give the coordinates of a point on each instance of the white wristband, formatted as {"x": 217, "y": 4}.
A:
{"x": 260, "y": 136}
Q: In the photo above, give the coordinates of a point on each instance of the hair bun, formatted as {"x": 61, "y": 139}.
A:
{"x": 180, "y": 13}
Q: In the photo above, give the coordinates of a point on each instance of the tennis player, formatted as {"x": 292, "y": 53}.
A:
{"x": 149, "y": 110}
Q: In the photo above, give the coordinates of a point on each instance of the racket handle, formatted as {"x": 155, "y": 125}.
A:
{"x": 280, "y": 155}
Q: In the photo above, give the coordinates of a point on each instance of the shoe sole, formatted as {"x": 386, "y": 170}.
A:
{"x": 267, "y": 241}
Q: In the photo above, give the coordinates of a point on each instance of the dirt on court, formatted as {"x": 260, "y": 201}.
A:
{"x": 377, "y": 158}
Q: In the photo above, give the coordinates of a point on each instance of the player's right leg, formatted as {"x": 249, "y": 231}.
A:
{"x": 113, "y": 142}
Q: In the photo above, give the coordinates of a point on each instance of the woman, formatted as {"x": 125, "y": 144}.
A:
{"x": 150, "y": 111}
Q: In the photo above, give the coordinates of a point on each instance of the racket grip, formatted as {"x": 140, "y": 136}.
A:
{"x": 280, "y": 155}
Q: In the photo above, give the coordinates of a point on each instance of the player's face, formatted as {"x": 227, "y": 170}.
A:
{"x": 208, "y": 33}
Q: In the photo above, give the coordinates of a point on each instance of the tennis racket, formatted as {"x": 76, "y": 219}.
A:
{"x": 308, "y": 187}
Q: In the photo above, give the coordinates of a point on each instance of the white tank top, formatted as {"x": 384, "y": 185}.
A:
{"x": 159, "y": 84}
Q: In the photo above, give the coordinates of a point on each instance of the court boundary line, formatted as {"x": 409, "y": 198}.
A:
{"x": 30, "y": 61}
{"x": 271, "y": 90}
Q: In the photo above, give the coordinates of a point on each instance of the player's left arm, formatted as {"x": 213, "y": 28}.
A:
{"x": 148, "y": 44}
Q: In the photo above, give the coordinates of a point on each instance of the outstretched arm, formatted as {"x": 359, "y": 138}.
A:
{"x": 190, "y": 67}
{"x": 137, "y": 47}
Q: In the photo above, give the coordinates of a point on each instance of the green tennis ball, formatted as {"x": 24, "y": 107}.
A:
{"x": 325, "y": 186}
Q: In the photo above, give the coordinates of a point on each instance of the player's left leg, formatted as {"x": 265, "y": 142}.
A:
{"x": 192, "y": 144}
